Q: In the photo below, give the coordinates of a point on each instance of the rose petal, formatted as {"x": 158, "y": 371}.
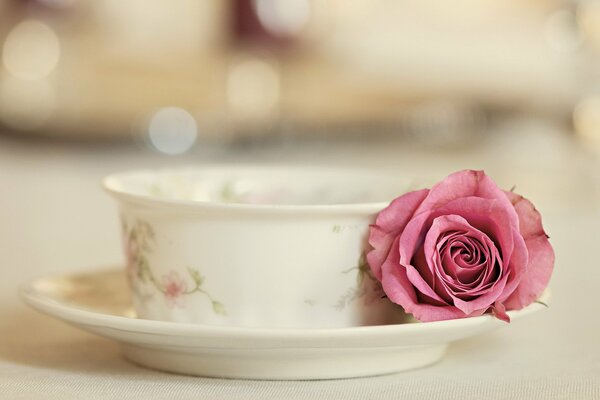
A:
{"x": 541, "y": 254}
{"x": 448, "y": 250}
{"x": 390, "y": 222}
{"x": 463, "y": 272}
{"x": 420, "y": 263}
{"x": 511, "y": 244}
{"x": 417, "y": 280}
{"x": 460, "y": 229}
{"x": 530, "y": 220}
{"x": 484, "y": 301}
{"x": 465, "y": 275}
{"x": 395, "y": 216}
{"x": 400, "y": 291}
{"x": 518, "y": 266}
{"x": 413, "y": 236}
{"x": 465, "y": 184}
{"x": 499, "y": 312}
{"x": 537, "y": 276}
{"x": 458, "y": 223}
{"x": 487, "y": 216}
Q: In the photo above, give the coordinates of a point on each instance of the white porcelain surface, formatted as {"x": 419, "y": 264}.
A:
{"x": 98, "y": 302}
{"x": 254, "y": 247}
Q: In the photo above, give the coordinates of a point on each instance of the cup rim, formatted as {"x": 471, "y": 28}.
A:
{"x": 111, "y": 184}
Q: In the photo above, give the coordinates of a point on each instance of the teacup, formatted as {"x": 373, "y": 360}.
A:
{"x": 278, "y": 247}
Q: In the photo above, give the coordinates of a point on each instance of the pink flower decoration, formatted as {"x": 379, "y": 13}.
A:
{"x": 460, "y": 249}
{"x": 174, "y": 288}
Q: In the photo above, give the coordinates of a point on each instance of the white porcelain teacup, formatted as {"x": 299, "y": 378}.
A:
{"x": 253, "y": 246}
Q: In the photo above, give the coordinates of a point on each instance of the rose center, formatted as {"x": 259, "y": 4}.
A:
{"x": 467, "y": 260}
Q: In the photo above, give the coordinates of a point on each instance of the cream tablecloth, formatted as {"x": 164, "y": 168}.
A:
{"x": 55, "y": 219}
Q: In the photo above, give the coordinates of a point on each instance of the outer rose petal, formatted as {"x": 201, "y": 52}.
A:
{"x": 530, "y": 220}
{"x": 541, "y": 254}
{"x": 539, "y": 270}
{"x": 517, "y": 267}
{"x": 466, "y": 183}
{"x": 390, "y": 222}
{"x": 395, "y": 216}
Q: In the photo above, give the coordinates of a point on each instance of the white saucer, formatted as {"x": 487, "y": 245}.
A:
{"x": 98, "y": 302}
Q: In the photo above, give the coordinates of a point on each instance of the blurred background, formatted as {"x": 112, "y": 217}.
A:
{"x": 414, "y": 87}
{"x": 420, "y": 87}
{"x": 177, "y": 74}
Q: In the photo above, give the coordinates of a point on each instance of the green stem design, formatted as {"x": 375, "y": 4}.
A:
{"x": 360, "y": 289}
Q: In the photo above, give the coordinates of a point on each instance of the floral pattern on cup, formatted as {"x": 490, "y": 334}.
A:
{"x": 138, "y": 240}
{"x": 175, "y": 288}
{"x": 367, "y": 286}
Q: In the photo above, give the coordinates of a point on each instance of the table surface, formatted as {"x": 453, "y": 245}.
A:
{"x": 54, "y": 219}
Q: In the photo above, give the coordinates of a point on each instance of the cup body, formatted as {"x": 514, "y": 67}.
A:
{"x": 246, "y": 257}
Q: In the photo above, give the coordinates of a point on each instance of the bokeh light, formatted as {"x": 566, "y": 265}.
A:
{"x": 172, "y": 130}
{"x": 253, "y": 88}
{"x": 588, "y": 18}
{"x": 586, "y": 119}
{"x": 561, "y": 31}
{"x": 283, "y": 17}
{"x": 31, "y": 50}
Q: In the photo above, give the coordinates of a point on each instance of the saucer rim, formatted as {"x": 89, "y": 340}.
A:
{"x": 46, "y": 304}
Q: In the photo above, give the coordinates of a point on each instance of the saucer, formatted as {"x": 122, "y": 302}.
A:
{"x": 98, "y": 302}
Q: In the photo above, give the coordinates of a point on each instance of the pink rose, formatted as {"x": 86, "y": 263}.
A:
{"x": 460, "y": 249}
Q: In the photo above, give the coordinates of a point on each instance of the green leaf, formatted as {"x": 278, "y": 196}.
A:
{"x": 218, "y": 308}
{"x": 195, "y": 274}
{"x": 227, "y": 193}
